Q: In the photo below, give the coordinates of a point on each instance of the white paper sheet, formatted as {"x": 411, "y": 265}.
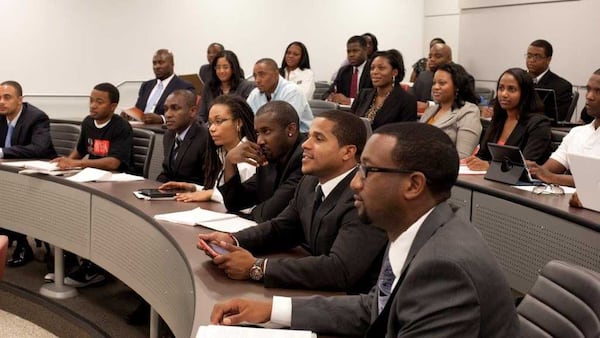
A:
{"x": 220, "y": 331}
{"x": 464, "y": 170}
{"x": 98, "y": 175}
{"x": 567, "y": 190}
{"x": 194, "y": 217}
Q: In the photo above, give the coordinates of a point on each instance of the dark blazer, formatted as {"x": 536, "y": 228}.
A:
{"x": 205, "y": 73}
{"x": 146, "y": 89}
{"x": 31, "y": 136}
{"x": 188, "y": 166}
{"x": 342, "y": 81}
{"x": 243, "y": 90}
{"x": 450, "y": 286}
{"x": 421, "y": 89}
{"x": 345, "y": 254}
{"x": 399, "y": 106}
{"x": 270, "y": 189}
{"x": 564, "y": 94}
{"x": 532, "y": 135}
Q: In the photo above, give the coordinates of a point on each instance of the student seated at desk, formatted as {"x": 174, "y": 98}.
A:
{"x": 345, "y": 253}
{"x": 518, "y": 120}
{"x": 230, "y": 122}
{"x": 580, "y": 140}
{"x": 455, "y": 111}
{"x": 278, "y": 149}
{"x": 295, "y": 67}
{"x": 107, "y": 141}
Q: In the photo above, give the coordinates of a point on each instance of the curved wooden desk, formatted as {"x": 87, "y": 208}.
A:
{"x": 525, "y": 230}
{"x": 105, "y": 223}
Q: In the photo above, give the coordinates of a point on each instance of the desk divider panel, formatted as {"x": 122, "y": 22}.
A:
{"x": 141, "y": 256}
{"x": 157, "y": 157}
{"x": 524, "y": 239}
{"x": 47, "y": 210}
{"x": 462, "y": 197}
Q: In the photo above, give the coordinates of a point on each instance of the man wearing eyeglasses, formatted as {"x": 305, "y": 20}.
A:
{"x": 538, "y": 57}
{"x": 344, "y": 253}
{"x": 438, "y": 278}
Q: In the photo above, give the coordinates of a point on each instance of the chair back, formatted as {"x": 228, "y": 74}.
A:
{"x": 486, "y": 94}
{"x": 318, "y": 106}
{"x": 3, "y": 249}
{"x": 556, "y": 138}
{"x": 572, "y": 106}
{"x": 64, "y": 137}
{"x": 320, "y": 88}
{"x": 564, "y": 301}
{"x": 143, "y": 144}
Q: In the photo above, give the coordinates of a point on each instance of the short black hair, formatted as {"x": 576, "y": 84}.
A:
{"x": 269, "y": 62}
{"x": 427, "y": 149}
{"x": 597, "y": 72}
{"x": 357, "y": 38}
{"x": 284, "y": 113}
{"x": 395, "y": 60}
{"x": 113, "y": 92}
{"x": 188, "y": 97}
{"x": 543, "y": 44}
{"x": 349, "y": 129}
{"x": 168, "y": 53}
{"x": 436, "y": 40}
{"x": 15, "y": 85}
{"x": 218, "y": 45}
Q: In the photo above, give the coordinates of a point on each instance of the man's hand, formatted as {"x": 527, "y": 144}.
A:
{"x": 248, "y": 152}
{"x": 575, "y": 202}
{"x": 339, "y": 98}
{"x": 126, "y": 116}
{"x": 65, "y": 162}
{"x": 214, "y": 237}
{"x": 151, "y": 118}
{"x": 178, "y": 186}
{"x": 475, "y": 163}
{"x": 239, "y": 310}
{"x": 237, "y": 263}
{"x": 540, "y": 172}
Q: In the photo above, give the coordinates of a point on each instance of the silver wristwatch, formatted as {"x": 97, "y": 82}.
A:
{"x": 256, "y": 271}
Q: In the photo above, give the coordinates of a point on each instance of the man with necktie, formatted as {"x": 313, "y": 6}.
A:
{"x": 24, "y": 133}
{"x": 445, "y": 280}
{"x": 153, "y": 93}
{"x": 184, "y": 141}
{"x": 344, "y": 253}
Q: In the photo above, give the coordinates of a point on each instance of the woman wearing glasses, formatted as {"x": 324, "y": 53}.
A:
{"x": 455, "y": 111}
{"x": 518, "y": 121}
{"x": 230, "y": 121}
{"x": 227, "y": 78}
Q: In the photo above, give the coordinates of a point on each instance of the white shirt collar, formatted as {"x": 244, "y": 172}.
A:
{"x": 399, "y": 248}
{"x": 539, "y": 77}
{"x": 183, "y": 133}
{"x": 100, "y": 126}
{"x": 328, "y": 186}
{"x": 165, "y": 81}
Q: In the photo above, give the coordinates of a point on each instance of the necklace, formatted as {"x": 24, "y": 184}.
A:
{"x": 374, "y": 107}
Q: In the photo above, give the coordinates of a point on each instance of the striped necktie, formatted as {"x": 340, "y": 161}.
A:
{"x": 384, "y": 282}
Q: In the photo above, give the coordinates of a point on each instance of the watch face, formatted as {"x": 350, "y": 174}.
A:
{"x": 256, "y": 271}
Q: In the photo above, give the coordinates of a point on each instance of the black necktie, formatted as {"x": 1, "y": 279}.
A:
{"x": 175, "y": 149}
{"x": 268, "y": 97}
{"x": 318, "y": 200}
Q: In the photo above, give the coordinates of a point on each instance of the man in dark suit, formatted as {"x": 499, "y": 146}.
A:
{"x": 153, "y": 93}
{"x": 212, "y": 50}
{"x": 439, "y": 54}
{"x": 438, "y": 279}
{"x": 24, "y": 133}
{"x": 278, "y": 155}
{"x": 184, "y": 141}
{"x": 538, "y": 57}
{"x": 345, "y": 253}
{"x": 353, "y": 77}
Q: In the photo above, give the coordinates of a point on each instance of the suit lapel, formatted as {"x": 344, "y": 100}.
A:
{"x": 432, "y": 223}
{"x": 517, "y": 134}
{"x": 184, "y": 146}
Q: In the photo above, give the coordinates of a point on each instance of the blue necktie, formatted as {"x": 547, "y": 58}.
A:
{"x": 7, "y": 141}
{"x": 384, "y": 282}
{"x": 151, "y": 105}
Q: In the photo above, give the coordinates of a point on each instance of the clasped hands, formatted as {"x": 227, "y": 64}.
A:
{"x": 339, "y": 99}
{"x": 248, "y": 152}
{"x": 237, "y": 263}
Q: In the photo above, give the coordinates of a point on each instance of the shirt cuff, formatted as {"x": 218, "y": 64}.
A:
{"x": 281, "y": 312}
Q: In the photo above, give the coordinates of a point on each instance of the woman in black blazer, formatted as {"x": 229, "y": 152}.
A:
{"x": 387, "y": 102}
{"x": 518, "y": 120}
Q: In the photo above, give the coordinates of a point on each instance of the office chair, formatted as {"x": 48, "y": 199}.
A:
{"x": 143, "y": 144}
{"x": 556, "y": 138}
{"x": 64, "y": 137}
{"x": 318, "y": 106}
{"x": 485, "y": 93}
{"x": 320, "y": 88}
{"x": 572, "y": 106}
{"x": 564, "y": 301}
{"x": 3, "y": 250}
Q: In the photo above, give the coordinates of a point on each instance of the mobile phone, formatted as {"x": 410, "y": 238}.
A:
{"x": 212, "y": 249}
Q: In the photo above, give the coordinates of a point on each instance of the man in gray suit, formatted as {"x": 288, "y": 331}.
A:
{"x": 438, "y": 279}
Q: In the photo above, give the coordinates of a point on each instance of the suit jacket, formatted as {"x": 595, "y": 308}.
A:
{"x": 533, "y": 135}
{"x": 271, "y": 189}
{"x": 243, "y": 89}
{"x": 188, "y": 166}
{"x": 146, "y": 89}
{"x": 31, "y": 136}
{"x": 205, "y": 73}
{"x": 421, "y": 89}
{"x": 342, "y": 81}
{"x": 399, "y": 106}
{"x": 450, "y": 286}
{"x": 345, "y": 254}
{"x": 564, "y": 94}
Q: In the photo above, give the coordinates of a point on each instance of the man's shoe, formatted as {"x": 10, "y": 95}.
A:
{"x": 21, "y": 256}
{"x": 87, "y": 274}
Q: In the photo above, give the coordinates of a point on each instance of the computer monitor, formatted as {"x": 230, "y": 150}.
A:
{"x": 548, "y": 97}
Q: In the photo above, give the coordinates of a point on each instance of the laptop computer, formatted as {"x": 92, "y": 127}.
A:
{"x": 584, "y": 169}
{"x": 508, "y": 166}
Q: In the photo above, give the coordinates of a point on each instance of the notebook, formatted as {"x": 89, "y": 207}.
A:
{"x": 587, "y": 180}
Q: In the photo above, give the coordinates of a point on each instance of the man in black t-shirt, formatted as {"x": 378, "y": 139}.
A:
{"x": 107, "y": 139}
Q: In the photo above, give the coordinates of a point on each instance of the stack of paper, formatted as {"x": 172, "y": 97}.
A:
{"x": 207, "y": 218}
{"x": 93, "y": 174}
{"x": 40, "y": 167}
{"x": 221, "y": 331}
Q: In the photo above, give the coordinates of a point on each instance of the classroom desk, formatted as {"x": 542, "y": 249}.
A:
{"x": 105, "y": 223}
{"x": 525, "y": 230}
